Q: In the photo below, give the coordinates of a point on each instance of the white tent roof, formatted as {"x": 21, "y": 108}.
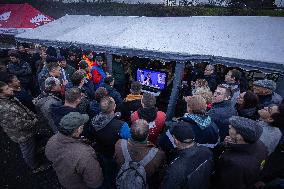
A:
{"x": 237, "y": 40}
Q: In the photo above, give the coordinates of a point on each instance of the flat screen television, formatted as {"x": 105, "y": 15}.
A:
{"x": 152, "y": 78}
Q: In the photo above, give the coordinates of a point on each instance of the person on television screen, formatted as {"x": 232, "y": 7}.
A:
{"x": 148, "y": 80}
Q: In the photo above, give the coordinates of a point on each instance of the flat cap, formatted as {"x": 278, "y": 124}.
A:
{"x": 266, "y": 83}
{"x": 249, "y": 129}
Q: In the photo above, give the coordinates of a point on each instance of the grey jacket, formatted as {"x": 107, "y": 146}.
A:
{"x": 270, "y": 136}
{"x": 43, "y": 104}
{"x": 75, "y": 162}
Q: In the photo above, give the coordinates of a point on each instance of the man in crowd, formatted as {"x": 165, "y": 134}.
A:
{"x": 109, "y": 86}
{"x": 21, "y": 94}
{"x": 272, "y": 174}
{"x": 95, "y": 108}
{"x": 206, "y": 131}
{"x": 211, "y": 77}
{"x": 79, "y": 79}
{"x": 20, "y": 124}
{"x": 222, "y": 110}
{"x": 193, "y": 164}
{"x": 41, "y": 62}
{"x": 88, "y": 57}
{"x": 98, "y": 74}
{"x": 75, "y": 162}
{"x": 241, "y": 162}
{"x": 50, "y": 97}
{"x": 69, "y": 70}
{"x": 21, "y": 69}
{"x": 132, "y": 102}
{"x": 265, "y": 90}
{"x": 137, "y": 147}
{"x": 119, "y": 75}
{"x": 73, "y": 98}
{"x": 107, "y": 129}
{"x": 271, "y": 134}
{"x": 53, "y": 70}
{"x": 150, "y": 113}
{"x": 232, "y": 79}
{"x": 83, "y": 65}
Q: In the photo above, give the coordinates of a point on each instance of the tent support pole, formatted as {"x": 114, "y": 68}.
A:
{"x": 179, "y": 69}
{"x": 109, "y": 62}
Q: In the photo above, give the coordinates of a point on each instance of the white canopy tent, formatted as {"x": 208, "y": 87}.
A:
{"x": 247, "y": 42}
{"x": 253, "y": 42}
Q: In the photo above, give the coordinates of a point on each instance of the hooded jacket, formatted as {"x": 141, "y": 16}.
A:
{"x": 107, "y": 130}
{"x": 206, "y": 131}
{"x": 155, "y": 118}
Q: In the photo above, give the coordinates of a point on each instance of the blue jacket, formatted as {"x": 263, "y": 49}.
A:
{"x": 220, "y": 114}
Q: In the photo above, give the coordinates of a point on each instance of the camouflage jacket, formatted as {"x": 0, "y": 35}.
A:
{"x": 17, "y": 121}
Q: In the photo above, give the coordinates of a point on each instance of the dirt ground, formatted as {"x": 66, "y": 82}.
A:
{"x": 14, "y": 172}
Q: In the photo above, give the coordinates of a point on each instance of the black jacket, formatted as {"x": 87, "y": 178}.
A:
{"x": 212, "y": 81}
{"x": 239, "y": 165}
{"x": 191, "y": 168}
{"x": 22, "y": 70}
{"x": 250, "y": 113}
{"x": 58, "y": 112}
{"x": 106, "y": 131}
{"x": 128, "y": 107}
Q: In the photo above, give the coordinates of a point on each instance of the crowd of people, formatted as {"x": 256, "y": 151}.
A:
{"x": 95, "y": 133}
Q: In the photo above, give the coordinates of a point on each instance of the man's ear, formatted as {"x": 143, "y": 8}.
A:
{"x": 269, "y": 120}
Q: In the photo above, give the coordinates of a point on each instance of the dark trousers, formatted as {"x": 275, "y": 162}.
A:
{"x": 108, "y": 165}
{"x": 28, "y": 149}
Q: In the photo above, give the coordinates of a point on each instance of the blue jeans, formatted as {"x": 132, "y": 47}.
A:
{"x": 28, "y": 149}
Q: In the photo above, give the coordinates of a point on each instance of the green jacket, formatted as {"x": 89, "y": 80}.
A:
{"x": 17, "y": 121}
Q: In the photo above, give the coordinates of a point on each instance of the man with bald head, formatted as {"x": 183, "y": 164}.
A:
{"x": 138, "y": 147}
{"x": 107, "y": 129}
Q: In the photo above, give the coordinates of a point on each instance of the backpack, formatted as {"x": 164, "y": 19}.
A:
{"x": 132, "y": 174}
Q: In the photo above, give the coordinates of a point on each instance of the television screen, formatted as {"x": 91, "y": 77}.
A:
{"x": 151, "y": 78}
